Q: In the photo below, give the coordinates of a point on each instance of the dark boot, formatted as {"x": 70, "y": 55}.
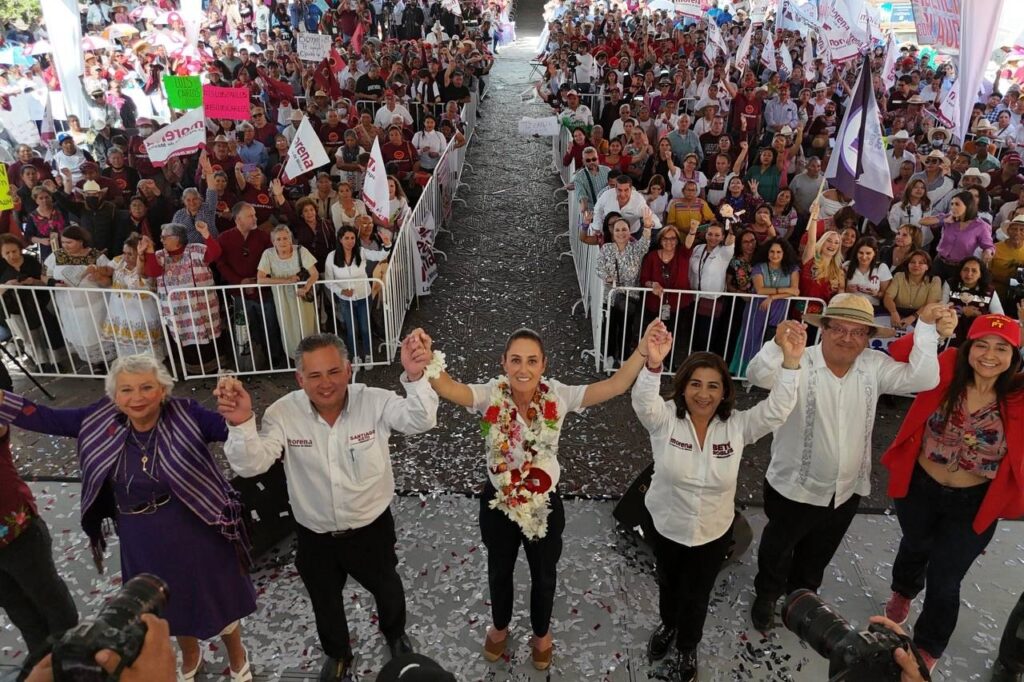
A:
{"x": 660, "y": 641}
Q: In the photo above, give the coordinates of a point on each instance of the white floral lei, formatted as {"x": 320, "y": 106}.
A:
{"x": 514, "y": 496}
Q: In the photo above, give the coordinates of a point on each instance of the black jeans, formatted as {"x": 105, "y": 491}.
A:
{"x": 502, "y": 537}
{"x": 325, "y": 561}
{"x": 937, "y": 549}
{"x": 798, "y": 543}
{"x": 31, "y": 592}
{"x": 1011, "y": 646}
{"x": 686, "y": 577}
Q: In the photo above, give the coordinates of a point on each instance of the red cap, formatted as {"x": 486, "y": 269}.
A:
{"x": 1000, "y": 325}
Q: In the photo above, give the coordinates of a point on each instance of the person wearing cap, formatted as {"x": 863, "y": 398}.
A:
{"x": 955, "y": 468}
{"x": 897, "y": 153}
{"x": 392, "y": 107}
{"x": 1008, "y": 257}
{"x": 574, "y": 113}
{"x": 821, "y": 456}
{"x": 1005, "y": 179}
{"x": 982, "y": 159}
{"x": 69, "y": 157}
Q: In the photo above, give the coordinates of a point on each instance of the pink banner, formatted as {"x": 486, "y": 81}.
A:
{"x": 937, "y": 22}
{"x": 230, "y": 103}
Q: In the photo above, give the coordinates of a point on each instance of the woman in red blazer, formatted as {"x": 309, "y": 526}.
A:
{"x": 955, "y": 467}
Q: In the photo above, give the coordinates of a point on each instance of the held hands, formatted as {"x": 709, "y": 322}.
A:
{"x": 791, "y": 337}
{"x": 941, "y": 315}
{"x": 657, "y": 341}
{"x": 233, "y": 402}
{"x": 415, "y": 356}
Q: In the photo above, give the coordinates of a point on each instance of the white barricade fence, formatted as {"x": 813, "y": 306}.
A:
{"x": 583, "y": 255}
{"x": 559, "y": 145}
{"x": 78, "y": 331}
{"x": 734, "y": 326}
{"x": 255, "y": 328}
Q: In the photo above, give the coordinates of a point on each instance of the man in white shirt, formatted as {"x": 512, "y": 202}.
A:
{"x": 576, "y": 112}
{"x": 629, "y": 204}
{"x": 821, "y": 455}
{"x": 896, "y": 154}
{"x": 386, "y": 114}
{"x": 333, "y": 438}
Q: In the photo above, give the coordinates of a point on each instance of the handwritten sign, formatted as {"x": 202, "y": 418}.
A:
{"x": 183, "y": 92}
{"x": 313, "y": 47}
{"x": 6, "y": 200}
{"x": 230, "y": 103}
{"x": 544, "y": 127}
{"x": 937, "y": 22}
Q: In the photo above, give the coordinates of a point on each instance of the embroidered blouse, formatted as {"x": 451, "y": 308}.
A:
{"x": 973, "y": 442}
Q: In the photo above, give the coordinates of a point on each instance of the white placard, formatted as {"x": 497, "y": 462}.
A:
{"x": 313, "y": 47}
{"x": 547, "y": 126}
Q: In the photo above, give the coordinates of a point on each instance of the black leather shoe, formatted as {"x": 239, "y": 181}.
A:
{"x": 337, "y": 670}
{"x": 686, "y": 661}
{"x": 400, "y": 646}
{"x": 660, "y": 641}
{"x": 1000, "y": 673}
{"x": 762, "y": 613}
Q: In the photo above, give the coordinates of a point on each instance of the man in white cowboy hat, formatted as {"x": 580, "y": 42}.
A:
{"x": 897, "y": 153}
{"x": 821, "y": 456}
{"x": 294, "y": 121}
{"x": 939, "y": 138}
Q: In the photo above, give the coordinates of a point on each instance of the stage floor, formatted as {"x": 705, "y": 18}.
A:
{"x": 605, "y": 609}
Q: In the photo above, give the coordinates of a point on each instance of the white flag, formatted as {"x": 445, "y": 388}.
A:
{"x": 705, "y": 85}
{"x": 949, "y": 110}
{"x": 892, "y": 53}
{"x": 768, "y": 53}
{"x": 743, "y": 51}
{"x": 306, "y": 153}
{"x": 710, "y": 50}
{"x": 808, "y": 59}
{"x": 787, "y": 59}
{"x": 375, "y": 184}
{"x": 977, "y": 39}
{"x": 178, "y": 138}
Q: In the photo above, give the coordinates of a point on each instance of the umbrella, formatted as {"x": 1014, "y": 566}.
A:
{"x": 39, "y": 47}
{"x": 189, "y": 52}
{"x": 90, "y": 43}
{"x": 666, "y": 5}
{"x": 143, "y": 12}
{"x": 162, "y": 19}
{"x": 168, "y": 40}
{"x": 115, "y": 31}
{"x": 13, "y": 56}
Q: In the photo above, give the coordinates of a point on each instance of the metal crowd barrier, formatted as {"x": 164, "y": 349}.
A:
{"x": 79, "y": 331}
{"x": 731, "y": 325}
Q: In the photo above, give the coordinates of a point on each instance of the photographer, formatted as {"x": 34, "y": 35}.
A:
{"x": 155, "y": 663}
{"x": 904, "y": 659}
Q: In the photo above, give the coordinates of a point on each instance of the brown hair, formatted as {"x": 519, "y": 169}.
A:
{"x": 702, "y": 360}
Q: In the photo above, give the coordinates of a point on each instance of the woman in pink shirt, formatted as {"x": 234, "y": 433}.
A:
{"x": 962, "y": 232}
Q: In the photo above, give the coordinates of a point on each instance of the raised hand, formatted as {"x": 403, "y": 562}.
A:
{"x": 415, "y": 357}
{"x": 793, "y": 341}
{"x": 931, "y": 312}
{"x": 203, "y": 229}
{"x": 233, "y": 402}
{"x": 658, "y": 342}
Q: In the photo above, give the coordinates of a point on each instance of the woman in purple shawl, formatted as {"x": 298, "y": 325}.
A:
{"x": 146, "y": 465}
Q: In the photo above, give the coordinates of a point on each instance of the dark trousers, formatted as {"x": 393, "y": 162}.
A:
{"x": 1011, "y": 646}
{"x": 710, "y": 327}
{"x": 936, "y": 551}
{"x": 686, "y": 577}
{"x": 502, "y": 537}
{"x": 31, "y": 592}
{"x": 325, "y": 561}
{"x": 798, "y": 542}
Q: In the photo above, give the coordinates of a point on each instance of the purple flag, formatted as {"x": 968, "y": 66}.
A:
{"x": 858, "y": 167}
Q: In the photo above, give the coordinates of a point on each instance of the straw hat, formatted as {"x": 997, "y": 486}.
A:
{"x": 851, "y": 308}
{"x": 985, "y": 178}
{"x": 938, "y": 131}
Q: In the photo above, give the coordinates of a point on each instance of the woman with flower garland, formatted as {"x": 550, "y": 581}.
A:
{"x": 698, "y": 440}
{"x": 522, "y": 414}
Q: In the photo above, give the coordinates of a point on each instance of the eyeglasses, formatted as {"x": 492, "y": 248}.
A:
{"x": 853, "y": 334}
{"x": 669, "y": 239}
{"x": 931, "y": 162}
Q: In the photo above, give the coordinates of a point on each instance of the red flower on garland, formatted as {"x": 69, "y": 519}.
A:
{"x": 491, "y": 415}
{"x": 551, "y": 410}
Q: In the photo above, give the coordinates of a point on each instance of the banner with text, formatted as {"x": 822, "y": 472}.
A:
{"x": 689, "y": 8}
{"x": 178, "y": 138}
{"x": 306, "y": 151}
{"x": 6, "y": 200}
{"x": 313, "y": 47}
{"x": 183, "y": 92}
{"x": 842, "y": 39}
{"x": 229, "y": 103}
{"x": 937, "y": 22}
{"x": 424, "y": 259}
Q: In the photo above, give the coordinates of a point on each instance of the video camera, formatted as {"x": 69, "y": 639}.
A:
{"x": 118, "y": 627}
{"x": 864, "y": 656}
{"x": 1015, "y": 292}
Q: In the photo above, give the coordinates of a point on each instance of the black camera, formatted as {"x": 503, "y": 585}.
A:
{"x": 1016, "y": 290}
{"x": 854, "y": 656}
{"x": 118, "y": 627}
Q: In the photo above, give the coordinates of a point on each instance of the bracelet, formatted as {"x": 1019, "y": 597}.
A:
{"x": 436, "y": 366}
{"x": 654, "y": 369}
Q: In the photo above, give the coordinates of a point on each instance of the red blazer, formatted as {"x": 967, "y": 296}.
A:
{"x": 1005, "y": 497}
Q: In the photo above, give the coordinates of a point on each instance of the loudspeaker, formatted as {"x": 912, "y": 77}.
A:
{"x": 268, "y": 515}
{"x": 631, "y": 513}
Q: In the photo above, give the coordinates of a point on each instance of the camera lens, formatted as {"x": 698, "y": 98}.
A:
{"x": 814, "y": 621}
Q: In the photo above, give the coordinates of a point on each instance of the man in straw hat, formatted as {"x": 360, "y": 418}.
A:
{"x": 821, "y": 456}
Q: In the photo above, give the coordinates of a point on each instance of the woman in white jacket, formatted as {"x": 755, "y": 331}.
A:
{"x": 351, "y": 298}
{"x": 697, "y": 440}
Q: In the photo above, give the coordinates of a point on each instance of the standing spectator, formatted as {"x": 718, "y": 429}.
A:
{"x": 289, "y": 263}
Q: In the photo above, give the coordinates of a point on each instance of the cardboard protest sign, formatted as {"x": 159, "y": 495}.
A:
{"x": 6, "y": 200}
{"x": 230, "y": 103}
{"x": 313, "y": 47}
{"x": 183, "y": 92}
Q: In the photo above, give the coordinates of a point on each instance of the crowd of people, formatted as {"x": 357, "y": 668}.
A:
{"x": 92, "y": 211}
{"x": 703, "y": 137}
